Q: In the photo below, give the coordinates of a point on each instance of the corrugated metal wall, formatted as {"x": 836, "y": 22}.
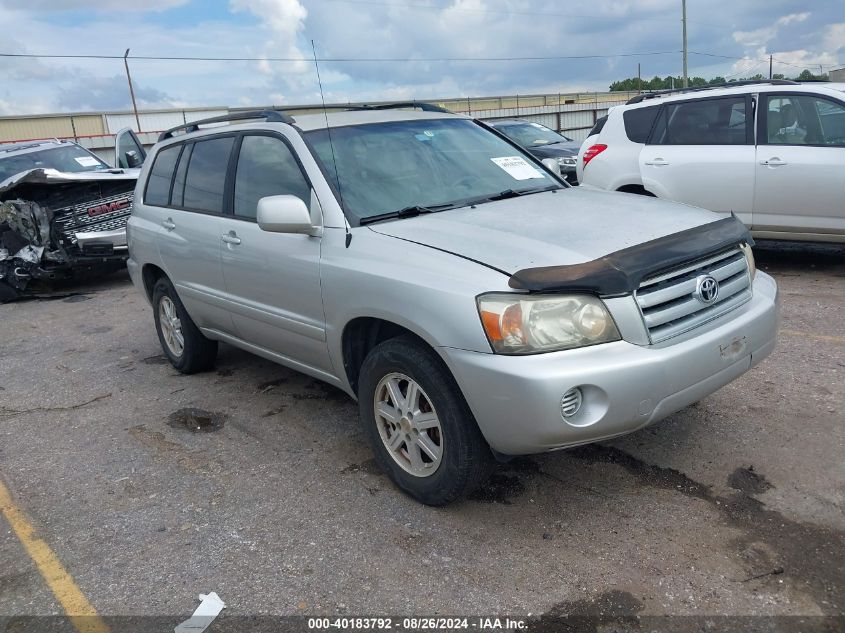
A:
{"x": 86, "y": 125}
{"x": 572, "y": 114}
{"x": 572, "y": 120}
{"x": 26, "y": 128}
{"x": 158, "y": 121}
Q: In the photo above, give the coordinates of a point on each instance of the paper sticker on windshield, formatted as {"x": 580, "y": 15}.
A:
{"x": 518, "y": 167}
{"x": 87, "y": 161}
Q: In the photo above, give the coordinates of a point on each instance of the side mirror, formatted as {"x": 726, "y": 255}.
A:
{"x": 285, "y": 214}
{"x": 133, "y": 160}
{"x": 552, "y": 165}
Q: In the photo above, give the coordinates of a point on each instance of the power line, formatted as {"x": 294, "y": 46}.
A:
{"x": 403, "y": 60}
{"x": 779, "y": 61}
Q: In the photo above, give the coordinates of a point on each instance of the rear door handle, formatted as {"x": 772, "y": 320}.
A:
{"x": 657, "y": 162}
{"x": 169, "y": 224}
{"x": 230, "y": 238}
{"x": 773, "y": 162}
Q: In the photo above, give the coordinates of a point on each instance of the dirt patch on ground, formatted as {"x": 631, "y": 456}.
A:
{"x": 811, "y": 556}
{"x": 197, "y": 420}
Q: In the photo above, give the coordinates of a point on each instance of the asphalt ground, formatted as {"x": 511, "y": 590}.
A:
{"x": 733, "y": 506}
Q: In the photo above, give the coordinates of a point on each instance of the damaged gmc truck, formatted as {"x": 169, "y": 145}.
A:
{"x": 63, "y": 211}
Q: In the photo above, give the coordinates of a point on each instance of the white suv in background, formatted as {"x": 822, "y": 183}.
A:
{"x": 773, "y": 153}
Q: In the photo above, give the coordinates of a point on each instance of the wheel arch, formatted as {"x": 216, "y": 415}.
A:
{"x": 150, "y": 274}
{"x": 361, "y": 334}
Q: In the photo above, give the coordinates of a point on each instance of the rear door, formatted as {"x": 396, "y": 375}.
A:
{"x": 701, "y": 152}
{"x": 800, "y": 165}
{"x": 273, "y": 279}
{"x": 191, "y": 208}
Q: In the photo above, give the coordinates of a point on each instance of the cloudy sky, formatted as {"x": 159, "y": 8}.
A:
{"x": 415, "y": 48}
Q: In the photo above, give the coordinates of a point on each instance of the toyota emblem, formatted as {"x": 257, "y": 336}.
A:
{"x": 706, "y": 289}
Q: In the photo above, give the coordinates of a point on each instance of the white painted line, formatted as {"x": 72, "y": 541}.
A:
{"x": 210, "y": 607}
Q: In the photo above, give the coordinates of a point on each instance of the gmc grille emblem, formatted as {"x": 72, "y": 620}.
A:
{"x": 108, "y": 207}
{"x": 706, "y": 289}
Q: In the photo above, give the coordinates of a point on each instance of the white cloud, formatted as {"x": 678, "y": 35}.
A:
{"x": 405, "y": 30}
{"x": 834, "y": 37}
{"x": 759, "y": 37}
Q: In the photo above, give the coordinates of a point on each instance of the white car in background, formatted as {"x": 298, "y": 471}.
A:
{"x": 772, "y": 152}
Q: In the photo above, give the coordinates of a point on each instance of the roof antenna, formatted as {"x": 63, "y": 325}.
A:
{"x": 331, "y": 145}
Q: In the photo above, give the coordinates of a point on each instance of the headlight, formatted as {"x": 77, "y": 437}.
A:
{"x": 526, "y": 324}
{"x": 567, "y": 160}
{"x": 749, "y": 257}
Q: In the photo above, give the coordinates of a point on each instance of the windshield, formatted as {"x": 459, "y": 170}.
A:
{"x": 531, "y": 134}
{"x": 385, "y": 167}
{"x": 68, "y": 158}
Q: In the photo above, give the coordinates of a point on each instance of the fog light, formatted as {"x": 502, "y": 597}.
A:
{"x": 570, "y": 404}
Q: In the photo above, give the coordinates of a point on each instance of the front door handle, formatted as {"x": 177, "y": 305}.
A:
{"x": 169, "y": 224}
{"x": 230, "y": 238}
{"x": 773, "y": 162}
{"x": 657, "y": 162}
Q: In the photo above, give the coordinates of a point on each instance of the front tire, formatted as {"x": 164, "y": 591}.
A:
{"x": 183, "y": 344}
{"x": 420, "y": 428}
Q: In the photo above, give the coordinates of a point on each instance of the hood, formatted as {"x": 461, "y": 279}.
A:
{"x": 569, "y": 226}
{"x": 52, "y": 176}
{"x": 553, "y": 150}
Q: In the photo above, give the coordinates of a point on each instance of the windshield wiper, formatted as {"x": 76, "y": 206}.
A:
{"x": 512, "y": 193}
{"x": 407, "y": 212}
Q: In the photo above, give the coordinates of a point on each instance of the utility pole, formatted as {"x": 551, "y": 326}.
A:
{"x": 131, "y": 89}
{"x": 684, "y": 23}
{"x": 639, "y": 80}
{"x": 770, "y": 67}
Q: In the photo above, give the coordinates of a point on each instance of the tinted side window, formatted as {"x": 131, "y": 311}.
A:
{"x": 638, "y": 122}
{"x": 597, "y": 128}
{"x": 266, "y": 167}
{"x": 804, "y": 120}
{"x": 161, "y": 175}
{"x": 702, "y": 122}
{"x": 177, "y": 198}
{"x": 206, "y": 177}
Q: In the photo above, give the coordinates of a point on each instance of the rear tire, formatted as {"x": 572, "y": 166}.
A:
{"x": 423, "y": 434}
{"x": 183, "y": 344}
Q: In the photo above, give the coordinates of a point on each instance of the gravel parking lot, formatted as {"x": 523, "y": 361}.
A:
{"x": 733, "y": 506}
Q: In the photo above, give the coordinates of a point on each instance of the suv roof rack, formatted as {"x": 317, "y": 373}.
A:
{"x": 272, "y": 116}
{"x": 278, "y": 115}
{"x": 398, "y": 105}
{"x": 728, "y": 84}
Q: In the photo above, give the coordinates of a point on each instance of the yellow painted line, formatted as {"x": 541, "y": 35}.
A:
{"x": 81, "y": 613}
{"x": 816, "y": 337}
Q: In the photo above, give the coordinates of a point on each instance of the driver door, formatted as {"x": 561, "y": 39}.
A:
{"x": 128, "y": 151}
{"x": 800, "y": 164}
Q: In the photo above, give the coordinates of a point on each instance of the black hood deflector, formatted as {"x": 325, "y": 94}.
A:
{"x": 621, "y": 273}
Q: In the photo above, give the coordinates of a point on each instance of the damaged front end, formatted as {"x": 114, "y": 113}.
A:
{"x": 56, "y": 225}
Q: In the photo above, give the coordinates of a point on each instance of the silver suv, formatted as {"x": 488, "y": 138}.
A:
{"x": 475, "y": 305}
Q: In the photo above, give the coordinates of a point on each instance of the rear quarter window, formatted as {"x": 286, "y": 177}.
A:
{"x": 599, "y": 126}
{"x": 638, "y": 122}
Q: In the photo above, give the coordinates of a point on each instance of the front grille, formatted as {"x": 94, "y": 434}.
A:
{"x": 75, "y": 219}
{"x": 669, "y": 302}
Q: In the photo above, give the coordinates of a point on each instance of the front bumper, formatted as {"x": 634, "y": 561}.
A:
{"x": 93, "y": 240}
{"x": 516, "y": 399}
